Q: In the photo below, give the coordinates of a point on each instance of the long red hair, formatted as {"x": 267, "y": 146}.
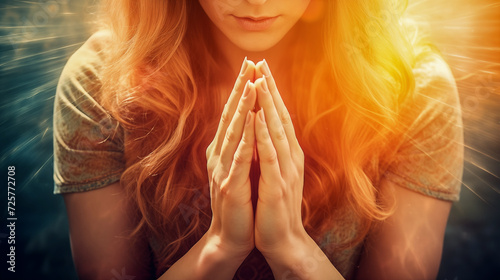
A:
{"x": 158, "y": 82}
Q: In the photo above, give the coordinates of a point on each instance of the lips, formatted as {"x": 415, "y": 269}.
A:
{"x": 255, "y": 23}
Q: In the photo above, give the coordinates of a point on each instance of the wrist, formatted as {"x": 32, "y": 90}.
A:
{"x": 298, "y": 257}
{"x": 289, "y": 248}
{"x": 209, "y": 258}
{"x": 225, "y": 250}
{"x": 294, "y": 241}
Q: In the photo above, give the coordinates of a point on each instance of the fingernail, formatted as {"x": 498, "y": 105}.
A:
{"x": 263, "y": 85}
{"x": 244, "y": 66}
{"x": 249, "y": 118}
{"x": 261, "y": 115}
{"x": 265, "y": 69}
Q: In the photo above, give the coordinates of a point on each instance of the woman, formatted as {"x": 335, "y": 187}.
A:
{"x": 336, "y": 155}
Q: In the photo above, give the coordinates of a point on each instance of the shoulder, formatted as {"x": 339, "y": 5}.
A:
{"x": 83, "y": 69}
{"x": 98, "y": 41}
{"x": 435, "y": 96}
{"x": 92, "y": 52}
{"x": 429, "y": 153}
{"x": 434, "y": 79}
{"x": 88, "y": 141}
{"x": 78, "y": 92}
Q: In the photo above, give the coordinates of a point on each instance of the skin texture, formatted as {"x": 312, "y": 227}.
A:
{"x": 406, "y": 246}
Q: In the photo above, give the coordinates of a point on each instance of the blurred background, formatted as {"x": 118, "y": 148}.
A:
{"x": 37, "y": 38}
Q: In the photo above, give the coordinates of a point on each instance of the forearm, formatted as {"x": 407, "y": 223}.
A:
{"x": 207, "y": 259}
{"x": 303, "y": 260}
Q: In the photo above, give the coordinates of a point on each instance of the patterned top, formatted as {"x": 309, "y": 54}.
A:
{"x": 89, "y": 148}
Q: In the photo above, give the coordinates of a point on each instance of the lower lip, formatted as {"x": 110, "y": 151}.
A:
{"x": 255, "y": 25}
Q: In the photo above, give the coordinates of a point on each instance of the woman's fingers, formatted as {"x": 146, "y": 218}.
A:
{"x": 242, "y": 161}
{"x": 268, "y": 158}
{"x": 235, "y": 129}
{"x": 274, "y": 125}
{"x": 263, "y": 69}
{"x": 246, "y": 74}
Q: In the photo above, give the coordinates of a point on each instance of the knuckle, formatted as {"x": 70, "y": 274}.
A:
{"x": 263, "y": 135}
{"x": 278, "y": 130}
{"x": 241, "y": 158}
{"x": 210, "y": 166}
{"x": 294, "y": 176}
{"x": 280, "y": 134}
{"x": 214, "y": 184}
{"x": 247, "y": 137}
{"x": 231, "y": 135}
{"x": 224, "y": 191}
{"x": 269, "y": 157}
{"x": 245, "y": 141}
{"x": 224, "y": 119}
{"x": 220, "y": 173}
{"x": 241, "y": 110}
{"x": 287, "y": 174}
{"x": 285, "y": 117}
{"x": 278, "y": 194}
{"x": 230, "y": 195}
{"x": 208, "y": 151}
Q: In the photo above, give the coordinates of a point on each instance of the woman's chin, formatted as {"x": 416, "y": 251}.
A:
{"x": 255, "y": 43}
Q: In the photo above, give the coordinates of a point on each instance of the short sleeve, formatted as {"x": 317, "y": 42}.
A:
{"x": 429, "y": 159}
{"x": 88, "y": 142}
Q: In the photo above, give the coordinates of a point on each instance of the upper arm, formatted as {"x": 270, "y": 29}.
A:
{"x": 407, "y": 245}
{"x": 88, "y": 163}
{"x": 100, "y": 224}
{"x": 422, "y": 179}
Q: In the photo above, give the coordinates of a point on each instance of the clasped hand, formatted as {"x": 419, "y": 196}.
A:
{"x": 276, "y": 223}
